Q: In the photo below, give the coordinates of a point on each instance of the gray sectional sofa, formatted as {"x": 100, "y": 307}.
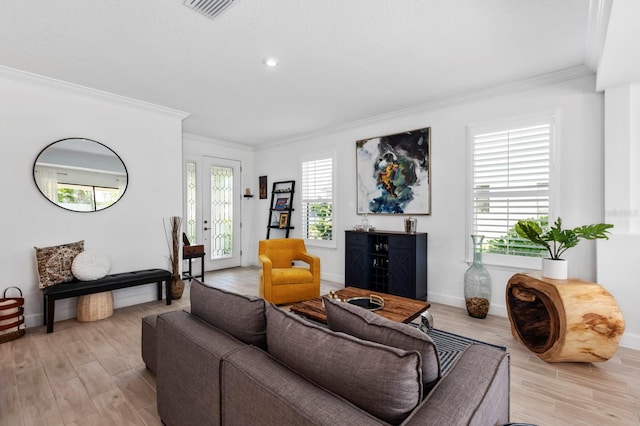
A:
{"x": 237, "y": 360}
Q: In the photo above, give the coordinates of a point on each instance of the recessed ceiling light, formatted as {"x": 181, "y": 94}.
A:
{"x": 270, "y": 62}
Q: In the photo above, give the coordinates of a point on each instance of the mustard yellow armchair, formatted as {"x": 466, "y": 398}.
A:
{"x": 281, "y": 283}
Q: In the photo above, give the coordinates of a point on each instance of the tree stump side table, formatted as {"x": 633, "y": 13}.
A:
{"x": 564, "y": 320}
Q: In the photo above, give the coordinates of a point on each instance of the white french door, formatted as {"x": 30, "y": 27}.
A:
{"x": 212, "y": 209}
{"x": 221, "y": 197}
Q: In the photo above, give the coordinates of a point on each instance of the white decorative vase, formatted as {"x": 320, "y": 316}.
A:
{"x": 558, "y": 269}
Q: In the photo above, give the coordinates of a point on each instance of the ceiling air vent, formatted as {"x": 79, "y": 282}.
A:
{"x": 209, "y": 8}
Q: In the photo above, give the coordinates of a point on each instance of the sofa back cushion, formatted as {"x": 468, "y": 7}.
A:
{"x": 241, "y": 316}
{"x": 381, "y": 380}
{"x": 367, "y": 325}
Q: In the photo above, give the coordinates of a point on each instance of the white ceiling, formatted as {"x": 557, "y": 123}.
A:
{"x": 340, "y": 61}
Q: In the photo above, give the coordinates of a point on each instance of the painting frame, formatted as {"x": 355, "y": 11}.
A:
{"x": 262, "y": 185}
{"x": 283, "y": 219}
{"x": 393, "y": 173}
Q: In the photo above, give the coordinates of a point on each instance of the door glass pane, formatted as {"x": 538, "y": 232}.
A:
{"x": 221, "y": 212}
{"x": 191, "y": 202}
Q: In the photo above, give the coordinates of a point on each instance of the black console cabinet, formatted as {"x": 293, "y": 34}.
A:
{"x": 388, "y": 262}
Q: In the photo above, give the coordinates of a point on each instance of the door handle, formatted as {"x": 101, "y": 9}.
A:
{"x": 206, "y": 229}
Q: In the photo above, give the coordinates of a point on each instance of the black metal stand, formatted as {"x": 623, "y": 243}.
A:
{"x": 189, "y": 275}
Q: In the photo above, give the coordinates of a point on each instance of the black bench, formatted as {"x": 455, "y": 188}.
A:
{"x": 108, "y": 283}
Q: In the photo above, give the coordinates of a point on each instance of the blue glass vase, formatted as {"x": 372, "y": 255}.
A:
{"x": 477, "y": 283}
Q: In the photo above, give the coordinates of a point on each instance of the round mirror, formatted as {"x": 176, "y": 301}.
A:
{"x": 81, "y": 175}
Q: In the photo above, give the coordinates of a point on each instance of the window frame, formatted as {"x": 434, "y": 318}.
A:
{"x": 509, "y": 261}
{"x": 318, "y": 157}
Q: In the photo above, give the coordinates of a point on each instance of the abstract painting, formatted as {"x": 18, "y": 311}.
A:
{"x": 394, "y": 173}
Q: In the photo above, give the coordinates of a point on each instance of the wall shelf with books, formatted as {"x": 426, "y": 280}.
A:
{"x": 281, "y": 207}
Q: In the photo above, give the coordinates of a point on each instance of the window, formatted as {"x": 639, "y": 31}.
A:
{"x": 191, "y": 203}
{"x": 317, "y": 200}
{"x": 86, "y": 197}
{"x": 511, "y": 180}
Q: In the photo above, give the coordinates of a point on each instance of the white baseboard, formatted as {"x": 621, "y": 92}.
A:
{"x": 336, "y": 278}
{"x": 458, "y": 302}
{"x": 631, "y": 341}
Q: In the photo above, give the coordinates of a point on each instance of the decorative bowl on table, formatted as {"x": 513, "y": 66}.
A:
{"x": 372, "y": 303}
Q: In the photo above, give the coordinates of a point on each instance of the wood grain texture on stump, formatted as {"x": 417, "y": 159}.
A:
{"x": 564, "y": 320}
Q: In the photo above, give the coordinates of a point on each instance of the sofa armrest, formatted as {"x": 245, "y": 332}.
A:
{"x": 190, "y": 352}
{"x": 474, "y": 392}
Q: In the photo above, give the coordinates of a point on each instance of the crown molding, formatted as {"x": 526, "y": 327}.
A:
{"x": 555, "y": 77}
{"x": 598, "y": 21}
{"x": 31, "y": 78}
{"x": 219, "y": 142}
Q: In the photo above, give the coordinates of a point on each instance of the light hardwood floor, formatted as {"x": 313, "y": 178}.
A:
{"x": 93, "y": 374}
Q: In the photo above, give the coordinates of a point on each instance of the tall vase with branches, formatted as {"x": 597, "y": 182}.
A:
{"x": 172, "y": 233}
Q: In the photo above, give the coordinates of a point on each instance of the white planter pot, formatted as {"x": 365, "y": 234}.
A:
{"x": 556, "y": 269}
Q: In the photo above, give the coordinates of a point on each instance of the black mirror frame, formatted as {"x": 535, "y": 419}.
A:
{"x": 71, "y": 210}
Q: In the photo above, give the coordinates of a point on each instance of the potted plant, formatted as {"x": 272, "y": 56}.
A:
{"x": 557, "y": 240}
{"x": 177, "y": 285}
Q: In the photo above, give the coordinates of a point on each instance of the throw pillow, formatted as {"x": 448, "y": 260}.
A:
{"x": 54, "y": 263}
{"x": 370, "y": 326}
{"x": 381, "y": 380}
{"x": 89, "y": 266}
{"x": 240, "y": 316}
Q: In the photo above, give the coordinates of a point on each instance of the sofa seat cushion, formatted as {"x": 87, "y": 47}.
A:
{"x": 239, "y": 315}
{"x": 367, "y": 325}
{"x": 291, "y": 276}
{"x": 382, "y": 380}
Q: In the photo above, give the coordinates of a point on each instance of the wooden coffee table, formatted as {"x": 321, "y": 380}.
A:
{"x": 396, "y": 308}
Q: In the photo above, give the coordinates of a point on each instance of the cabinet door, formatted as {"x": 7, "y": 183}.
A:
{"x": 408, "y": 265}
{"x": 356, "y": 264}
{"x": 402, "y": 265}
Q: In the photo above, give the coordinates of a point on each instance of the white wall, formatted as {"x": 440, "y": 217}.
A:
{"x": 37, "y": 111}
{"x": 579, "y": 154}
{"x": 618, "y": 257}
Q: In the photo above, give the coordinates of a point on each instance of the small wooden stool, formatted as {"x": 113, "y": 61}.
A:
{"x": 564, "y": 320}
{"x": 94, "y": 307}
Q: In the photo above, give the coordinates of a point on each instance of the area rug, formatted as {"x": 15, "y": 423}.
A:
{"x": 450, "y": 346}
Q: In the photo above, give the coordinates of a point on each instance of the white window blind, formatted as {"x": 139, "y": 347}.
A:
{"x": 317, "y": 199}
{"x": 511, "y": 175}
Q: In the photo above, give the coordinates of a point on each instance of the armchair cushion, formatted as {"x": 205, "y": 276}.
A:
{"x": 291, "y": 276}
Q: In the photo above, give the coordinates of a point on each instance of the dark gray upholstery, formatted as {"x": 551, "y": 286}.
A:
{"x": 205, "y": 376}
{"x": 239, "y": 315}
{"x": 149, "y": 342}
{"x": 370, "y": 326}
{"x": 257, "y": 390}
{"x": 187, "y": 382}
{"x": 474, "y": 392}
{"x": 347, "y": 366}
